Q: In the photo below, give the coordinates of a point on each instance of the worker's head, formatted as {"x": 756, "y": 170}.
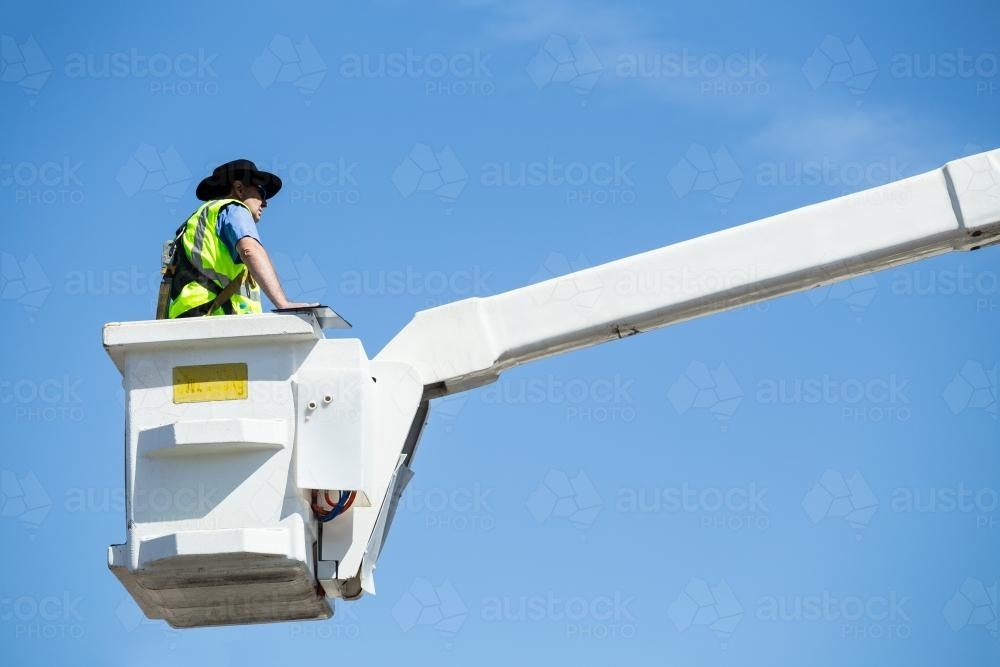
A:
{"x": 253, "y": 195}
{"x": 240, "y": 179}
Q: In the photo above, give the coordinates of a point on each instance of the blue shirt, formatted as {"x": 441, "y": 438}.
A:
{"x": 234, "y": 223}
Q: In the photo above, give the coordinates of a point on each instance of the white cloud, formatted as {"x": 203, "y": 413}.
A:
{"x": 613, "y": 32}
{"x": 796, "y": 122}
{"x": 530, "y": 21}
{"x": 855, "y": 135}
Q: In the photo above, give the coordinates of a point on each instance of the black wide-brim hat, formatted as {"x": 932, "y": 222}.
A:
{"x": 221, "y": 181}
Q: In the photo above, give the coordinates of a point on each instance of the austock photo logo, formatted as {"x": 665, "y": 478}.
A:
{"x": 328, "y": 182}
{"x": 703, "y": 171}
{"x": 601, "y": 400}
{"x": 24, "y": 499}
{"x": 42, "y": 618}
{"x": 980, "y": 69}
{"x": 976, "y": 175}
{"x": 582, "y": 617}
{"x": 731, "y": 74}
{"x": 834, "y": 62}
{"x": 458, "y": 509}
{"x": 457, "y": 74}
{"x": 844, "y": 177}
{"x": 445, "y": 410}
{"x": 603, "y": 182}
{"x": 24, "y": 282}
{"x": 150, "y": 170}
{"x": 856, "y": 617}
{"x": 170, "y": 74}
{"x": 53, "y": 399}
{"x": 138, "y": 283}
{"x": 559, "y": 279}
{"x": 44, "y": 183}
{"x": 977, "y": 289}
{"x": 158, "y": 501}
{"x": 979, "y": 504}
{"x": 686, "y": 280}
{"x": 745, "y": 507}
{"x": 346, "y": 624}
{"x": 738, "y": 508}
{"x": 302, "y": 280}
{"x": 878, "y": 399}
{"x": 284, "y": 62}
{"x": 973, "y": 605}
{"x": 24, "y": 65}
{"x": 558, "y": 61}
{"x": 558, "y": 496}
{"x": 425, "y": 604}
{"x": 702, "y": 388}
{"x": 578, "y": 616}
{"x": 974, "y": 387}
{"x": 132, "y": 618}
{"x": 152, "y": 389}
{"x": 424, "y": 170}
{"x": 438, "y": 287}
{"x": 702, "y": 605}
{"x": 834, "y": 497}
{"x": 856, "y": 292}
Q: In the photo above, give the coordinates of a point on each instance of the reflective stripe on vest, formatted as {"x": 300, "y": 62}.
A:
{"x": 206, "y": 267}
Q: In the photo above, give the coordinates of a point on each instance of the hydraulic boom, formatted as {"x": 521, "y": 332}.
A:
{"x": 294, "y": 449}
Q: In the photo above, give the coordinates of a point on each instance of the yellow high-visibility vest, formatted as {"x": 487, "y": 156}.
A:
{"x": 205, "y": 268}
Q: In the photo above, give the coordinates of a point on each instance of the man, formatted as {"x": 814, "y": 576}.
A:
{"x": 220, "y": 261}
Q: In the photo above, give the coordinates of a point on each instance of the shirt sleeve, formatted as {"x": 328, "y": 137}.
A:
{"x": 235, "y": 223}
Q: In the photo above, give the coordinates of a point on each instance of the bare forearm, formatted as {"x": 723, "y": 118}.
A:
{"x": 259, "y": 265}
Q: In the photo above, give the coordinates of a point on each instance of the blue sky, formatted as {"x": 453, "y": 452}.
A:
{"x": 666, "y": 121}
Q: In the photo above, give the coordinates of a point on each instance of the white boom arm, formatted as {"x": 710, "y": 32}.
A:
{"x": 252, "y": 421}
{"x": 469, "y": 342}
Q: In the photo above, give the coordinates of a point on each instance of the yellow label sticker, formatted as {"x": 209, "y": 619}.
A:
{"x": 211, "y": 382}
